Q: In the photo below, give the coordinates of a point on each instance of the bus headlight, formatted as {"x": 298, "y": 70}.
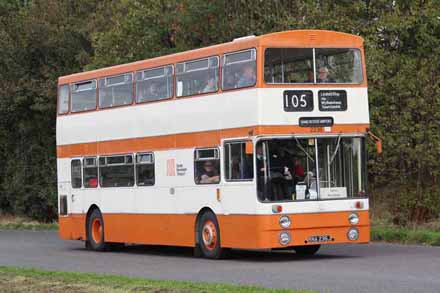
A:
{"x": 284, "y": 221}
{"x": 353, "y": 218}
{"x": 284, "y": 238}
{"x": 353, "y": 234}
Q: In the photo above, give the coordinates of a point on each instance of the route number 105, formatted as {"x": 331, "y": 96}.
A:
{"x": 298, "y": 101}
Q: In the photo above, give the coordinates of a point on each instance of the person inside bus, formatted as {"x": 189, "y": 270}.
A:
{"x": 229, "y": 81}
{"x": 209, "y": 173}
{"x": 211, "y": 85}
{"x": 309, "y": 76}
{"x": 248, "y": 77}
{"x": 323, "y": 75}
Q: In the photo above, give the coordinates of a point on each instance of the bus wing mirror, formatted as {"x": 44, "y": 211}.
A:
{"x": 377, "y": 141}
{"x": 249, "y": 148}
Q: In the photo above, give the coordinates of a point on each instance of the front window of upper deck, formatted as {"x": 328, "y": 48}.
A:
{"x": 307, "y": 169}
{"x": 309, "y": 65}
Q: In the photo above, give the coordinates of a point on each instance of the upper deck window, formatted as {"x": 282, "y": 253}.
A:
{"x": 338, "y": 66}
{"x": 197, "y": 76}
{"x": 239, "y": 69}
{"x": 154, "y": 84}
{"x": 116, "y": 90}
{"x": 288, "y": 65}
{"x": 83, "y": 96}
{"x": 296, "y": 65}
{"x": 63, "y": 99}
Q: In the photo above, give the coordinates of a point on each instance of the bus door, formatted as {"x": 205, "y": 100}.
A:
{"x": 237, "y": 194}
{"x": 75, "y": 187}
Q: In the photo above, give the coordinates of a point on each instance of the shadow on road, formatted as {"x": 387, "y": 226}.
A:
{"x": 234, "y": 255}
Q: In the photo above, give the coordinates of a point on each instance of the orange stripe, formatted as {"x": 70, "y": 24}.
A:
{"x": 194, "y": 139}
{"x": 237, "y": 231}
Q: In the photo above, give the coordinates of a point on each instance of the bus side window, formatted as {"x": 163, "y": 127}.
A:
{"x": 239, "y": 69}
{"x": 238, "y": 161}
{"x": 207, "y": 166}
{"x": 76, "y": 173}
{"x": 116, "y": 171}
{"x": 197, "y": 76}
{"x": 63, "y": 99}
{"x": 90, "y": 172}
{"x": 116, "y": 90}
{"x": 145, "y": 169}
{"x": 83, "y": 96}
{"x": 154, "y": 84}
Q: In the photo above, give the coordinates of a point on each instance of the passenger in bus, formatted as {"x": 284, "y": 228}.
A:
{"x": 248, "y": 78}
{"x": 309, "y": 76}
{"x": 209, "y": 174}
{"x": 211, "y": 85}
{"x": 229, "y": 81}
{"x": 153, "y": 92}
{"x": 323, "y": 75}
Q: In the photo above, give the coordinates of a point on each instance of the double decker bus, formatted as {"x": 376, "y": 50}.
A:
{"x": 258, "y": 143}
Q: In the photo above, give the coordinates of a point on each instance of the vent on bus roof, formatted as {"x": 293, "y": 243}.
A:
{"x": 244, "y": 38}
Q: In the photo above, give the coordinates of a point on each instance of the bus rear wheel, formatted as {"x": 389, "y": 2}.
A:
{"x": 209, "y": 237}
{"x": 95, "y": 232}
{"x": 307, "y": 249}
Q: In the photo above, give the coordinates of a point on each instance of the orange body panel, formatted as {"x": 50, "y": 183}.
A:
{"x": 194, "y": 139}
{"x": 236, "y": 231}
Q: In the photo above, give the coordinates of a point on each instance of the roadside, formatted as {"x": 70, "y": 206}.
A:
{"x": 8, "y": 222}
{"x": 14, "y": 279}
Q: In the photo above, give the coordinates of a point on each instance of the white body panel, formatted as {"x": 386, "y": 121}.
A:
{"x": 203, "y": 113}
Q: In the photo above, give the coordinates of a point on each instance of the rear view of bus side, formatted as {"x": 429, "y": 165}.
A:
{"x": 258, "y": 143}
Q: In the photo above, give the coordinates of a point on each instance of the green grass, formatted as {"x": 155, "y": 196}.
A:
{"x": 405, "y": 235}
{"x": 13, "y": 279}
{"x": 19, "y": 223}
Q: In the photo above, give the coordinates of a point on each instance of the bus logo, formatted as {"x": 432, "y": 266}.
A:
{"x": 171, "y": 167}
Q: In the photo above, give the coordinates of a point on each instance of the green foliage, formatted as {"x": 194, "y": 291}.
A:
{"x": 42, "y": 40}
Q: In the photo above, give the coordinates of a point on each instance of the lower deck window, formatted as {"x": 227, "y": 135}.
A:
{"x": 239, "y": 161}
{"x": 144, "y": 169}
{"x": 207, "y": 166}
{"x": 90, "y": 173}
{"x": 116, "y": 171}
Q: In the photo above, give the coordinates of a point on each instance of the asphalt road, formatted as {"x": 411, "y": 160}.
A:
{"x": 338, "y": 268}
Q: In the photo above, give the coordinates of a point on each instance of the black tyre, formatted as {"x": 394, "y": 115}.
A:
{"x": 95, "y": 232}
{"x": 209, "y": 237}
{"x": 307, "y": 249}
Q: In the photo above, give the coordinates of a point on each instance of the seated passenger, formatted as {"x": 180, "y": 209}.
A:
{"x": 323, "y": 75}
{"x": 211, "y": 85}
{"x": 209, "y": 174}
{"x": 248, "y": 78}
{"x": 229, "y": 81}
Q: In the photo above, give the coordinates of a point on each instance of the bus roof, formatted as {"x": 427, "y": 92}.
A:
{"x": 292, "y": 38}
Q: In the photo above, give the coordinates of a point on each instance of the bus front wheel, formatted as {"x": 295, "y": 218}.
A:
{"x": 307, "y": 249}
{"x": 95, "y": 232}
{"x": 209, "y": 237}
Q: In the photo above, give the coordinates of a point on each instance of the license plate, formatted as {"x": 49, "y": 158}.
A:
{"x": 319, "y": 238}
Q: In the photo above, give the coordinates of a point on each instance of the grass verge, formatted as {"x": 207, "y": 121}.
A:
{"x": 405, "y": 235}
{"x": 18, "y": 223}
{"x": 14, "y": 279}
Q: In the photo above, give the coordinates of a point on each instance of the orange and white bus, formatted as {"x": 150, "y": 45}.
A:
{"x": 258, "y": 143}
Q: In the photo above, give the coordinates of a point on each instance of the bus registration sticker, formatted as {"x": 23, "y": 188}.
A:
{"x": 319, "y": 238}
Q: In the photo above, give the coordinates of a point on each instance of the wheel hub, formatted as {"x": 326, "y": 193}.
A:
{"x": 209, "y": 235}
